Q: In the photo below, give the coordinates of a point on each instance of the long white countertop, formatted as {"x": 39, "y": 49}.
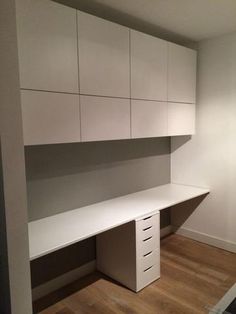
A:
{"x": 55, "y": 232}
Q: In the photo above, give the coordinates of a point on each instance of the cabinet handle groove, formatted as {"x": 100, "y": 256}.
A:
{"x": 145, "y": 229}
{"x": 147, "y": 268}
{"x": 147, "y": 239}
{"x": 147, "y": 218}
{"x": 147, "y": 254}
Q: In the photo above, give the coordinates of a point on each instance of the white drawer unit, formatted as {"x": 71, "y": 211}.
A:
{"x": 130, "y": 253}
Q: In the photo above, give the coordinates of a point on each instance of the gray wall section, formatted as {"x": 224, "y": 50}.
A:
{"x": 12, "y": 152}
{"x": 68, "y": 176}
{"x": 63, "y": 177}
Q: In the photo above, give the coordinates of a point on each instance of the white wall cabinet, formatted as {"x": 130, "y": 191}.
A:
{"x": 111, "y": 68}
{"x": 148, "y": 67}
{"x": 103, "y": 57}
{"x": 148, "y": 118}
{"x": 181, "y": 74}
{"x": 47, "y": 43}
{"x": 181, "y": 119}
{"x": 130, "y": 253}
{"x": 104, "y": 118}
{"x": 50, "y": 118}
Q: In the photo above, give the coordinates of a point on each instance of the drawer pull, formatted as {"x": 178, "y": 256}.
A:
{"x": 145, "y": 229}
{"x": 147, "y": 254}
{"x": 147, "y": 239}
{"x": 147, "y": 218}
{"x": 147, "y": 268}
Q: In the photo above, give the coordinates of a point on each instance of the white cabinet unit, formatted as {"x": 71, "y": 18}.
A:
{"x": 50, "y": 117}
{"x": 104, "y": 118}
{"x": 148, "y": 118}
{"x": 130, "y": 253}
{"x": 181, "y": 74}
{"x": 103, "y": 57}
{"x": 47, "y": 43}
{"x": 148, "y": 67}
{"x": 181, "y": 119}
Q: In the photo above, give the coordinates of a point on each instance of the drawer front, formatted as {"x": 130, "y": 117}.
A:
{"x": 147, "y": 276}
{"x": 147, "y": 235}
{"x": 148, "y": 260}
{"x": 149, "y": 221}
{"x": 147, "y": 245}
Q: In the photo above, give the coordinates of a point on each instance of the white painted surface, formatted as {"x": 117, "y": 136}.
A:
{"x": 50, "y": 117}
{"x": 103, "y": 57}
{"x": 47, "y": 43}
{"x": 206, "y": 238}
{"x": 191, "y": 19}
{"x": 14, "y": 249}
{"x": 148, "y": 67}
{"x": 209, "y": 157}
{"x": 181, "y": 119}
{"x": 50, "y": 234}
{"x": 148, "y": 118}
{"x": 182, "y": 64}
{"x": 104, "y": 118}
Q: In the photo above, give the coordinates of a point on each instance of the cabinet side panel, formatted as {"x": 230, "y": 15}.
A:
{"x": 116, "y": 254}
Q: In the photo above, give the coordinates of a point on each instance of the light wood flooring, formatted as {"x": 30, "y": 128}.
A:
{"x": 194, "y": 276}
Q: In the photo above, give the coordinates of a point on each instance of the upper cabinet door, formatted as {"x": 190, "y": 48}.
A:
{"x": 47, "y": 42}
{"x": 181, "y": 74}
{"x": 50, "y": 118}
{"x": 148, "y": 118}
{"x": 103, "y": 57}
{"x": 148, "y": 67}
{"x": 104, "y": 118}
{"x": 181, "y": 119}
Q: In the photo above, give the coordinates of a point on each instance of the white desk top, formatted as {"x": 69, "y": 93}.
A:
{"x": 53, "y": 233}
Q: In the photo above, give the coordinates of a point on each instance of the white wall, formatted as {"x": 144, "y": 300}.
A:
{"x": 209, "y": 157}
{"x": 14, "y": 182}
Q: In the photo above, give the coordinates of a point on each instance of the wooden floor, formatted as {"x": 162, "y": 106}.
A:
{"x": 194, "y": 276}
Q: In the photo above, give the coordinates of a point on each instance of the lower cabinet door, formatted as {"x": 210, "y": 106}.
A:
{"x": 148, "y": 118}
{"x": 181, "y": 119}
{"x": 50, "y": 118}
{"x": 104, "y": 118}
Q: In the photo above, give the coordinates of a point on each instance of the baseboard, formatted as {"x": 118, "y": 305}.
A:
{"x": 165, "y": 231}
{"x": 206, "y": 238}
{"x": 63, "y": 280}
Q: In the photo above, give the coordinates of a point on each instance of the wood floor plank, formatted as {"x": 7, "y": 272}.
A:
{"x": 194, "y": 276}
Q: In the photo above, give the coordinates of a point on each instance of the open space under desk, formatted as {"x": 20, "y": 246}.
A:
{"x": 55, "y": 232}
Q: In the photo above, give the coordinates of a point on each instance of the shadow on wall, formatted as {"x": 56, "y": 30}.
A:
{"x": 179, "y": 141}
{"x": 181, "y": 212}
{"x": 44, "y": 161}
{"x": 67, "y": 176}
{"x": 120, "y": 17}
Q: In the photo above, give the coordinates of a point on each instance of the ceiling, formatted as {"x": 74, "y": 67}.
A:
{"x": 182, "y": 20}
